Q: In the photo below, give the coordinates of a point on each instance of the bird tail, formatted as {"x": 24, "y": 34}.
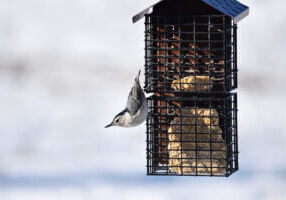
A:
{"x": 137, "y": 90}
{"x": 137, "y": 78}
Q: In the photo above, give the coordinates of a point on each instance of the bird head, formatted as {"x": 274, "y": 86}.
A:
{"x": 120, "y": 119}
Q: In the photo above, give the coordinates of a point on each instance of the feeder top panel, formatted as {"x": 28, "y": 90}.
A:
{"x": 231, "y": 8}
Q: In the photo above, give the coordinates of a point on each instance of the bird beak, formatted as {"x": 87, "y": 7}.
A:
{"x": 108, "y": 125}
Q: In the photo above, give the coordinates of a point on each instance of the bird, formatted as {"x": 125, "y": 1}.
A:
{"x": 135, "y": 112}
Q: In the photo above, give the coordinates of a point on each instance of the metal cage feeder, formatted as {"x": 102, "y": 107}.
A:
{"x": 191, "y": 72}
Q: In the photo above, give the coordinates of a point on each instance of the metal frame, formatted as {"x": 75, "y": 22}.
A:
{"x": 162, "y": 115}
{"x": 213, "y": 47}
{"x": 191, "y": 68}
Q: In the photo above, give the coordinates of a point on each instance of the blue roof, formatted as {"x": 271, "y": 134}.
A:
{"x": 231, "y": 8}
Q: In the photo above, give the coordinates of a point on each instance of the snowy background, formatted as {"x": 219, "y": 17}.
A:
{"x": 66, "y": 67}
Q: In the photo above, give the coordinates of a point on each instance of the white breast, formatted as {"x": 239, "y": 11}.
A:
{"x": 126, "y": 120}
{"x": 129, "y": 121}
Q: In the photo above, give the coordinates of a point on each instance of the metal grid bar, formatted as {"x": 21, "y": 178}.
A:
{"x": 213, "y": 48}
{"x": 191, "y": 67}
{"x": 201, "y": 134}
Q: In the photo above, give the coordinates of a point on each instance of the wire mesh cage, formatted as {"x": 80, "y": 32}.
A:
{"x": 192, "y": 135}
{"x": 191, "y": 69}
{"x": 190, "y": 54}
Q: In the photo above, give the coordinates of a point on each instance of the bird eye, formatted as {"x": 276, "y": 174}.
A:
{"x": 116, "y": 121}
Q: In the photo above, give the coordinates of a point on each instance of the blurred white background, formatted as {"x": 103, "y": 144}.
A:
{"x": 66, "y": 68}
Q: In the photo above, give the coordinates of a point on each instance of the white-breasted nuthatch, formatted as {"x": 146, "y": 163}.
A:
{"x": 135, "y": 112}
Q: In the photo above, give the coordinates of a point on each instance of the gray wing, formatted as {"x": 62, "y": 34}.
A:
{"x": 136, "y": 97}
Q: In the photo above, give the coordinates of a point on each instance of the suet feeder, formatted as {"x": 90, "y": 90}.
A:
{"x": 191, "y": 72}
